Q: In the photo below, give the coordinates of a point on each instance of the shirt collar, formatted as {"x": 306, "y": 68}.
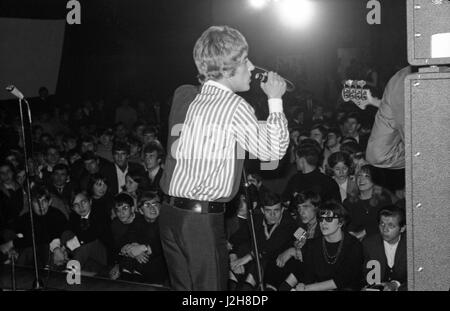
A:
{"x": 120, "y": 170}
{"x": 392, "y": 245}
{"x": 218, "y": 85}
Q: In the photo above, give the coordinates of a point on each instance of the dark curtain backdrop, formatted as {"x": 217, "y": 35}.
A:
{"x": 139, "y": 49}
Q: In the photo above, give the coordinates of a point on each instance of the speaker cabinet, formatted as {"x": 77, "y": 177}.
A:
{"x": 428, "y": 28}
{"x": 427, "y": 143}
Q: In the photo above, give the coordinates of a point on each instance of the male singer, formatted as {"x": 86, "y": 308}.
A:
{"x": 203, "y": 168}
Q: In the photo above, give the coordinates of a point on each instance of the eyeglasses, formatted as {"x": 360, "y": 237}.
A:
{"x": 327, "y": 219}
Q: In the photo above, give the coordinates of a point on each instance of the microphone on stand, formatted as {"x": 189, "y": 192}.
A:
{"x": 37, "y": 284}
{"x": 15, "y": 91}
{"x": 262, "y": 76}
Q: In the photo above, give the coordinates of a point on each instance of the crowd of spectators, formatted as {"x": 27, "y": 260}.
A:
{"x": 96, "y": 198}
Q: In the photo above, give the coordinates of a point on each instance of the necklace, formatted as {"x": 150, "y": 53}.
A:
{"x": 331, "y": 260}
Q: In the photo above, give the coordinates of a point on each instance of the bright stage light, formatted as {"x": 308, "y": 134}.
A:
{"x": 259, "y": 4}
{"x": 296, "y": 13}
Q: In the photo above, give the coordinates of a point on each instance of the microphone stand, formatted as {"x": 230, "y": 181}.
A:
{"x": 13, "y": 272}
{"x": 37, "y": 284}
{"x": 252, "y": 231}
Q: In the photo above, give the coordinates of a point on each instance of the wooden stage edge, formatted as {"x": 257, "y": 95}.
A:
{"x": 57, "y": 281}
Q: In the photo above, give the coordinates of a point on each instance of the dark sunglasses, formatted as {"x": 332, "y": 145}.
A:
{"x": 327, "y": 219}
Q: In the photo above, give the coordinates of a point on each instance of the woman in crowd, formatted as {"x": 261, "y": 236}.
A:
{"x": 102, "y": 199}
{"x": 330, "y": 262}
{"x": 340, "y": 165}
{"x": 135, "y": 184}
{"x": 363, "y": 206}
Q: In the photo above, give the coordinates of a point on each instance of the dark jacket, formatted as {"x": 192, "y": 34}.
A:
{"x": 373, "y": 248}
{"x": 110, "y": 174}
{"x": 269, "y": 248}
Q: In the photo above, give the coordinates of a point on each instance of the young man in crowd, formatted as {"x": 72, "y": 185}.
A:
{"x": 153, "y": 157}
{"x": 274, "y": 229}
{"x": 137, "y": 244}
{"x": 121, "y": 167}
{"x": 332, "y": 143}
{"x": 307, "y": 204}
{"x": 60, "y": 185}
{"x": 388, "y": 250}
{"x": 309, "y": 176}
{"x": 49, "y": 223}
{"x": 352, "y": 126}
{"x": 319, "y": 134}
{"x": 87, "y": 237}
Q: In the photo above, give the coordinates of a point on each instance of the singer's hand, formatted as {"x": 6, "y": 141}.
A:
{"x": 275, "y": 87}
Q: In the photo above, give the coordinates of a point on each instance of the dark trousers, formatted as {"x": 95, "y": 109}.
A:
{"x": 92, "y": 256}
{"x": 195, "y": 249}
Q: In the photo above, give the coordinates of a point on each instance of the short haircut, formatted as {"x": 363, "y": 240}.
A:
{"x": 310, "y": 151}
{"x": 353, "y": 115}
{"x": 271, "y": 198}
{"x": 75, "y": 194}
{"x": 121, "y": 146}
{"x": 104, "y": 131}
{"x": 256, "y": 175}
{"x": 123, "y": 198}
{"x": 308, "y": 195}
{"x": 89, "y": 155}
{"x": 337, "y": 209}
{"x": 134, "y": 141}
{"x": 40, "y": 190}
{"x": 69, "y": 136}
{"x": 8, "y": 164}
{"x": 336, "y": 131}
{"x": 218, "y": 52}
{"x": 51, "y": 147}
{"x": 87, "y": 139}
{"x": 340, "y": 156}
{"x": 393, "y": 211}
{"x": 152, "y": 147}
{"x": 150, "y": 130}
{"x": 148, "y": 195}
{"x": 351, "y": 147}
{"x": 321, "y": 128}
{"x": 61, "y": 167}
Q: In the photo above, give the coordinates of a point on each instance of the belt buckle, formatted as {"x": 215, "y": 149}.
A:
{"x": 197, "y": 208}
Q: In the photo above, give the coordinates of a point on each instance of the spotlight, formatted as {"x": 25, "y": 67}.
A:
{"x": 259, "y": 4}
{"x": 296, "y": 13}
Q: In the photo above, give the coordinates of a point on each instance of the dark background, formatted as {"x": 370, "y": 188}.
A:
{"x": 143, "y": 48}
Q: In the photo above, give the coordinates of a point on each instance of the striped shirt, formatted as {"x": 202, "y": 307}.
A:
{"x": 218, "y": 124}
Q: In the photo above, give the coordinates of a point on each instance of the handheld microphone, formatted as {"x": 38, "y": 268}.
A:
{"x": 13, "y": 90}
{"x": 300, "y": 237}
{"x": 262, "y": 76}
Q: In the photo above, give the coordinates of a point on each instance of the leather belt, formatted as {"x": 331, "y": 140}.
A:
{"x": 200, "y": 207}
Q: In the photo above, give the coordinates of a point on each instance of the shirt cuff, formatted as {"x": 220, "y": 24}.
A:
{"x": 55, "y": 244}
{"x": 275, "y": 105}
